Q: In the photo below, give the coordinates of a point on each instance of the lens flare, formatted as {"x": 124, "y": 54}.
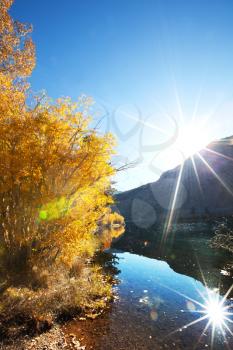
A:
{"x": 214, "y": 309}
{"x": 192, "y": 138}
{"x": 216, "y": 312}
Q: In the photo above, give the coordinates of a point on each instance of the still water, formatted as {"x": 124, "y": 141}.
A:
{"x": 159, "y": 297}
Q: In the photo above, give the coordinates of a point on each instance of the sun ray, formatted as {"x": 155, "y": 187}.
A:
{"x": 188, "y": 325}
{"x": 228, "y": 319}
{"x": 219, "y": 154}
{"x": 172, "y": 210}
{"x": 165, "y": 113}
{"x": 214, "y": 312}
{"x": 227, "y": 293}
{"x": 203, "y": 280}
{"x": 227, "y": 327}
{"x": 214, "y": 309}
{"x": 197, "y": 103}
{"x": 139, "y": 120}
{"x": 203, "y": 332}
{"x": 212, "y": 112}
{"x": 196, "y": 173}
{"x": 150, "y": 125}
{"x": 183, "y": 295}
{"x": 178, "y": 101}
{"x": 201, "y": 294}
{"x": 215, "y": 174}
{"x": 224, "y": 336}
{"x": 212, "y": 336}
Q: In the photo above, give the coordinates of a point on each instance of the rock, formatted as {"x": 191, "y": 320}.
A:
{"x": 205, "y": 190}
{"x": 51, "y": 340}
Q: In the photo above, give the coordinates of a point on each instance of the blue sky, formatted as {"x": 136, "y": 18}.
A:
{"x": 153, "y": 60}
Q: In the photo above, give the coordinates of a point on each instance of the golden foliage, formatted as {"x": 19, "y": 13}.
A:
{"x": 55, "y": 169}
{"x": 17, "y": 52}
{"x": 54, "y": 172}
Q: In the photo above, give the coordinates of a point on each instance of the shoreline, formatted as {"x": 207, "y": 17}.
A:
{"x": 54, "y": 339}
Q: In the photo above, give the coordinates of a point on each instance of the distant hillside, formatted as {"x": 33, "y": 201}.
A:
{"x": 206, "y": 189}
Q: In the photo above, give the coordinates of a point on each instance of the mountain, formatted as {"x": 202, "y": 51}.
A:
{"x": 201, "y": 187}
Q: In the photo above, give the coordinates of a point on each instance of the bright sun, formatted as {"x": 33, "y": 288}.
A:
{"x": 192, "y": 138}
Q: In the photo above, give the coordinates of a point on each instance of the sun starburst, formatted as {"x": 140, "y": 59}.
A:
{"x": 213, "y": 308}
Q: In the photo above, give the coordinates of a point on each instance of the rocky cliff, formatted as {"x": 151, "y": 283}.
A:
{"x": 205, "y": 189}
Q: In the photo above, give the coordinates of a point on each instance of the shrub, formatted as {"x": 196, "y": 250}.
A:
{"x": 55, "y": 186}
{"x": 223, "y": 237}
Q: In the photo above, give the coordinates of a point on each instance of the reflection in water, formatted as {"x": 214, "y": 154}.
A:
{"x": 214, "y": 309}
{"x": 206, "y": 312}
{"x": 158, "y": 308}
{"x": 109, "y": 233}
{"x": 186, "y": 251}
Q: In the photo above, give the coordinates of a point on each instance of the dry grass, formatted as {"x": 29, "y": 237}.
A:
{"x": 27, "y": 311}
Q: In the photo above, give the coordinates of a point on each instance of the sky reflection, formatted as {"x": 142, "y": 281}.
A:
{"x": 179, "y": 305}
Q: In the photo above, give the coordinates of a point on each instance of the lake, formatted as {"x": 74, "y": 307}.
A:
{"x": 160, "y": 293}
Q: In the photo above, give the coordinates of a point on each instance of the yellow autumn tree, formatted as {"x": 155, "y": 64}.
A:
{"x": 55, "y": 174}
{"x": 17, "y": 52}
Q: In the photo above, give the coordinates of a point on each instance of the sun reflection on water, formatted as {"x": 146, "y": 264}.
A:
{"x": 216, "y": 310}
